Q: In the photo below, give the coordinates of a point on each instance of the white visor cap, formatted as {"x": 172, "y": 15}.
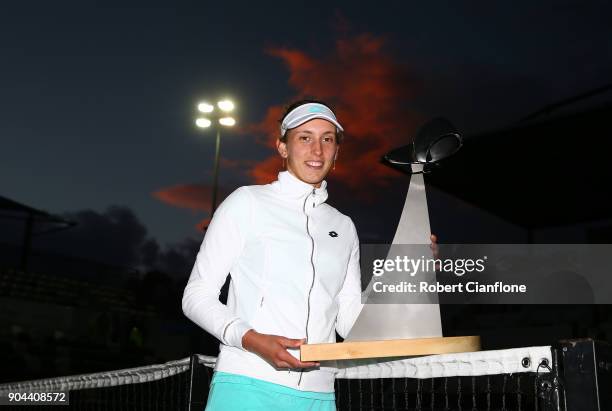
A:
{"x": 307, "y": 112}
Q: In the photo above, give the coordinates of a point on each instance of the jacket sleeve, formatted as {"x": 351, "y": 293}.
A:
{"x": 220, "y": 249}
{"x": 349, "y": 297}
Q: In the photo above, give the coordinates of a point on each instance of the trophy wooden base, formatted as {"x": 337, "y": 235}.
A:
{"x": 388, "y": 348}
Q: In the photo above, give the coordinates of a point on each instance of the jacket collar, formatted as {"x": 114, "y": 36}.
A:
{"x": 293, "y": 187}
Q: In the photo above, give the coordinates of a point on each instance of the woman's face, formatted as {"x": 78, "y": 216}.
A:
{"x": 310, "y": 150}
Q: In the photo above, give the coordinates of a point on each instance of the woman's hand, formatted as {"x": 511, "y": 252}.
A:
{"x": 435, "y": 252}
{"x": 273, "y": 349}
{"x": 434, "y": 245}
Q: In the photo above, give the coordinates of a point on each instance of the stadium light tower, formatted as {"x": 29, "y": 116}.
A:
{"x": 216, "y": 117}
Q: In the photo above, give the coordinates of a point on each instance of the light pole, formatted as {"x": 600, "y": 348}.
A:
{"x": 217, "y": 118}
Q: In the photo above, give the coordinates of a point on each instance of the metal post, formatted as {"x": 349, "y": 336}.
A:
{"x": 587, "y": 374}
{"x": 199, "y": 383}
{"x": 216, "y": 173}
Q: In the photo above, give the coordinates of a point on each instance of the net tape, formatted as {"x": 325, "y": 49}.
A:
{"x": 106, "y": 379}
{"x": 509, "y": 361}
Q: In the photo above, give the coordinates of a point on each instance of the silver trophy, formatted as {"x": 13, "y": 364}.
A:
{"x": 436, "y": 140}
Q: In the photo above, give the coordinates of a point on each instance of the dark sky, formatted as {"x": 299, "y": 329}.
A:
{"x": 98, "y": 98}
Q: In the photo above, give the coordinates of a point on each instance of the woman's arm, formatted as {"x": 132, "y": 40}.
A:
{"x": 221, "y": 247}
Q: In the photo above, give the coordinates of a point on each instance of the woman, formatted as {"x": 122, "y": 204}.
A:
{"x": 294, "y": 263}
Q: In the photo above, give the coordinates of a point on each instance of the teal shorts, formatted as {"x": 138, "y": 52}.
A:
{"x": 232, "y": 392}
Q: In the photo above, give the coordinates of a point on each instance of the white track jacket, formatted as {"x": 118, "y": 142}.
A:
{"x": 294, "y": 263}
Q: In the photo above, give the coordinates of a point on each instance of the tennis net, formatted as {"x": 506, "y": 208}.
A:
{"x": 532, "y": 378}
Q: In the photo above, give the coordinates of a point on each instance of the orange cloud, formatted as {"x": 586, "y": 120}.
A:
{"x": 268, "y": 129}
{"x": 370, "y": 92}
{"x": 267, "y": 170}
{"x": 203, "y": 225}
{"x": 237, "y": 164}
{"x": 195, "y": 197}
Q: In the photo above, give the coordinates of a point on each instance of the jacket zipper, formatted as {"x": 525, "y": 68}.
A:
{"x": 313, "y": 270}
